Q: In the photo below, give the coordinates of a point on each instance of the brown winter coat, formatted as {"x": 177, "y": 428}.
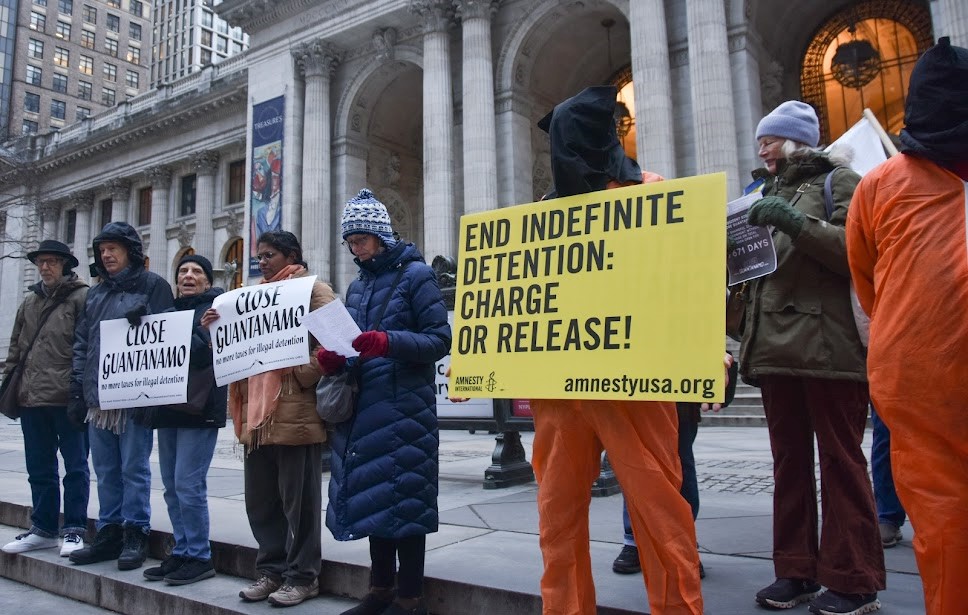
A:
{"x": 47, "y": 373}
{"x": 294, "y": 421}
{"x": 799, "y": 320}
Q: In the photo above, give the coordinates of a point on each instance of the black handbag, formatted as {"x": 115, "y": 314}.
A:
{"x": 201, "y": 386}
{"x": 736, "y": 311}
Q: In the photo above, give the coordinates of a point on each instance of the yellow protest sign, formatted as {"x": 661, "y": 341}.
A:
{"x": 616, "y": 294}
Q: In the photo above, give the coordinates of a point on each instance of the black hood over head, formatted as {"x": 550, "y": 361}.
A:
{"x": 936, "y": 111}
{"x": 585, "y": 150}
{"x": 123, "y": 233}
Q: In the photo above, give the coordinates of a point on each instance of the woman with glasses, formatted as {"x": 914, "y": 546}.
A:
{"x": 275, "y": 418}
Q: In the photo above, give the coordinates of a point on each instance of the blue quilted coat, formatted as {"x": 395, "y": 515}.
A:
{"x": 384, "y": 461}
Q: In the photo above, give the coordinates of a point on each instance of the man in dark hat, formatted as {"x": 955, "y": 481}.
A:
{"x": 40, "y": 346}
{"x": 640, "y": 437}
{"x": 907, "y": 244}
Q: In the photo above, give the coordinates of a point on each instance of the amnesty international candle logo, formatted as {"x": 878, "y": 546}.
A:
{"x": 616, "y": 294}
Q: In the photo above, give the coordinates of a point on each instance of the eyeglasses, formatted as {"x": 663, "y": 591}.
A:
{"x": 357, "y": 242}
{"x": 48, "y": 262}
{"x": 266, "y": 256}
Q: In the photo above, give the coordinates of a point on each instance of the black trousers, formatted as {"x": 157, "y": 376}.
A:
{"x": 383, "y": 558}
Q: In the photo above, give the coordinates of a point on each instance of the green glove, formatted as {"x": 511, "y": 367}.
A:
{"x": 777, "y": 211}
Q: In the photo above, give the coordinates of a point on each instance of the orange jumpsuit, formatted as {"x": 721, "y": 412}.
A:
{"x": 642, "y": 443}
{"x": 907, "y": 244}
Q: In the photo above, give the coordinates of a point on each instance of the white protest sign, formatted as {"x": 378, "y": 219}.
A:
{"x": 477, "y": 408}
{"x": 334, "y": 328}
{"x": 754, "y": 255}
{"x": 260, "y": 329}
{"x": 861, "y": 145}
{"x": 146, "y": 365}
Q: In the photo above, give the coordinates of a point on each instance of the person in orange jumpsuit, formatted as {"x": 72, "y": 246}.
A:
{"x": 641, "y": 437}
{"x": 907, "y": 245}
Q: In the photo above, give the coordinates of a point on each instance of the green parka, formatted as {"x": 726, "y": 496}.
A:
{"x": 799, "y": 320}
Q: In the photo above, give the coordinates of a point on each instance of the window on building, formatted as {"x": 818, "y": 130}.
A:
{"x": 110, "y": 72}
{"x": 40, "y": 2}
{"x": 58, "y": 109}
{"x": 34, "y": 75}
{"x": 86, "y": 65}
{"x": 106, "y": 206}
{"x": 87, "y": 39}
{"x": 205, "y": 57}
{"x": 207, "y": 19}
{"x": 114, "y": 3}
{"x": 222, "y": 44}
{"x": 31, "y": 102}
{"x": 29, "y": 127}
{"x": 89, "y": 13}
{"x": 132, "y": 79}
{"x": 63, "y": 30}
{"x": 236, "y": 47}
{"x": 144, "y": 206}
{"x": 65, "y": 6}
{"x": 207, "y": 38}
{"x": 114, "y": 23}
{"x": 38, "y": 21}
{"x": 85, "y": 90}
{"x": 62, "y": 57}
{"x": 136, "y": 7}
{"x": 134, "y": 55}
{"x": 70, "y": 226}
{"x": 236, "y": 181}
{"x": 83, "y": 113}
{"x": 35, "y": 49}
{"x": 59, "y": 83}
{"x": 187, "y": 207}
{"x": 134, "y": 31}
{"x": 111, "y": 47}
{"x": 108, "y": 97}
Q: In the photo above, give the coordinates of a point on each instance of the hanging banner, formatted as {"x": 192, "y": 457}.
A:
{"x": 616, "y": 294}
{"x": 146, "y": 365}
{"x": 260, "y": 329}
{"x": 265, "y": 205}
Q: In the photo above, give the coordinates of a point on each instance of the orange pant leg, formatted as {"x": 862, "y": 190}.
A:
{"x": 641, "y": 439}
{"x": 929, "y": 458}
{"x": 566, "y": 458}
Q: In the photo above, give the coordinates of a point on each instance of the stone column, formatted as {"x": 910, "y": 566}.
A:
{"x": 120, "y": 191}
{"x": 712, "y": 91}
{"x": 205, "y": 165}
{"x": 318, "y": 61}
{"x": 439, "y": 212}
{"x": 49, "y": 212}
{"x": 83, "y": 202}
{"x": 746, "y": 101}
{"x": 654, "y": 125}
{"x": 515, "y": 158}
{"x": 480, "y": 162}
{"x": 350, "y": 162}
{"x": 160, "y": 179}
{"x": 954, "y": 22}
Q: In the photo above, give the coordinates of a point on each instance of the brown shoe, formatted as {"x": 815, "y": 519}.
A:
{"x": 291, "y": 595}
{"x": 260, "y": 590}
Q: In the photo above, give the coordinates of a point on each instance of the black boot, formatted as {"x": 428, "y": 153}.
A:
{"x": 106, "y": 546}
{"x": 135, "y": 550}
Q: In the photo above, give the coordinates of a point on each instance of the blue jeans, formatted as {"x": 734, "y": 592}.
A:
{"x": 47, "y": 430}
{"x": 185, "y": 455}
{"x": 123, "y": 475}
{"x": 889, "y": 507}
{"x": 688, "y": 428}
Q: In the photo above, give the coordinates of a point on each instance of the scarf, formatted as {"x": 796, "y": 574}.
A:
{"x": 263, "y": 389}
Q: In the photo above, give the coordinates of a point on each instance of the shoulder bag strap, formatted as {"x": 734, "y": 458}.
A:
{"x": 828, "y": 193}
{"x": 40, "y": 326}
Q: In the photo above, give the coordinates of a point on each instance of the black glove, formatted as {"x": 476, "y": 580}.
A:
{"x": 77, "y": 412}
{"x": 134, "y": 314}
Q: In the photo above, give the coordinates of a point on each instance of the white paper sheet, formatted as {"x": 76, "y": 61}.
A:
{"x": 334, "y": 328}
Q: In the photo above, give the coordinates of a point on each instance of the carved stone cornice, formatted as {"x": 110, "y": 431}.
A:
{"x": 159, "y": 177}
{"x": 384, "y": 40}
{"x": 82, "y": 200}
{"x": 184, "y": 235}
{"x": 49, "y": 211}
{"x": 436, "y": 15}
{"x": 119, "y": 189}
{"x": 476, "y": 9}
{"x": 205, "y": 163}
{"x": 318, "y": 58}
{"x": 512, "y": 101}
{"x": 349, "y": 147}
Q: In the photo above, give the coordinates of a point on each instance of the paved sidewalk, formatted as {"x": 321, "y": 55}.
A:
{"x": 489, "y": 537}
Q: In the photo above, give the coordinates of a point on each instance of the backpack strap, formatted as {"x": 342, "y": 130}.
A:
{"x": 828, "y": 193}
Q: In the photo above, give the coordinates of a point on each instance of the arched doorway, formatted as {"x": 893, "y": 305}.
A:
{"x": 233, "y": 263}
{"x": 862, "y": 57}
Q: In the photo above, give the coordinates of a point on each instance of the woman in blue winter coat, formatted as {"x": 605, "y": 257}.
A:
{"x": 384, "y": 462}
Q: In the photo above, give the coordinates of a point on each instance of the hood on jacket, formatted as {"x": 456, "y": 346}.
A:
{"x": 67, "y": 285}
{"x": 936, "y": 110}
{"x": 125, "y": 234}
{"x": 585, "y": 150}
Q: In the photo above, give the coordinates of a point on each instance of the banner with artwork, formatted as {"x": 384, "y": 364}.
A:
{"x": 265, "y": 204}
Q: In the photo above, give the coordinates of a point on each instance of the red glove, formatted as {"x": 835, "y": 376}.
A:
{"x": 329, "y": 361}
{"x": 372, "y": 344}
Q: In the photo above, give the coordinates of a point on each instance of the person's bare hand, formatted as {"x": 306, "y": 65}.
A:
{"x": 209, "y": 317}
{"x": 456, "y": 400}
{"x": 706, "y": 407}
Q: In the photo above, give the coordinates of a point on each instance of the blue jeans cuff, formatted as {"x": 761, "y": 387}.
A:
{"x": 42, "y": 533}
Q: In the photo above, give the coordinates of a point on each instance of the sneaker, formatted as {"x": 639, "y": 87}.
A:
{"x": 71, "y": 542}
{"x": 107, "y": 545}
{"x": 627, "y": 561}
{"x": 890, "y": 534}
{"x": 135, "y": 550}
{"x": 190, "y": 571}
{"x": 168, "y": 566}
{"x": 28, "y": 541}
{"x": 374, "y": 603}
{"x": 291, "y": 595}
{"x": 260, "y": 590}
{"x": 836, "y": 603}
{"x": 787, "y": 593}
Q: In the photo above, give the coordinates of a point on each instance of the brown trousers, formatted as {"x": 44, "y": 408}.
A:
{"x": 849, "y": 557}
